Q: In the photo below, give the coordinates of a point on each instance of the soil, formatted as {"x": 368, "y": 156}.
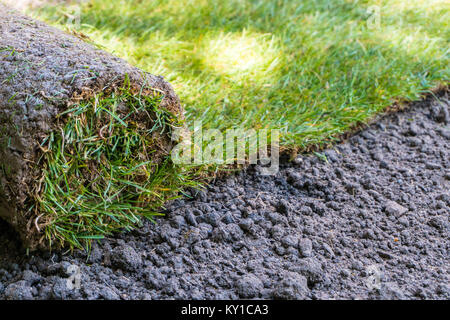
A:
{"x": 370, "y": 222}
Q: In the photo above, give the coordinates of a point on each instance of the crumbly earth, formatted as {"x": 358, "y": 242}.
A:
{"x": 370, "y": 222}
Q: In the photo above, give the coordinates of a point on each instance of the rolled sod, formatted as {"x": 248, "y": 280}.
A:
{"x": 85, "y": 137}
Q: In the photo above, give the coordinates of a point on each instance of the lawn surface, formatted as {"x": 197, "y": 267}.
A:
{"x": 312, "y": 68}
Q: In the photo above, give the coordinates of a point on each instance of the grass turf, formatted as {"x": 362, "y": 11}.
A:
{"x": 313, "y": 68}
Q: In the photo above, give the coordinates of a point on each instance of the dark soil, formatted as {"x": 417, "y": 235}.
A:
{"x": 376, "y": 212}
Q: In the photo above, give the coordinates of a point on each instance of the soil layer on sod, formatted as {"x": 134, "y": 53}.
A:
{"x": 84, "y": 136}
{"x": 367, "y": 219}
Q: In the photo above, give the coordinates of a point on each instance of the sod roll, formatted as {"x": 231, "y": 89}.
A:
{"x": 84, "y": 136}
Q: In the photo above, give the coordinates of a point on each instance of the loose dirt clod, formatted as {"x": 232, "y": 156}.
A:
{"x": 84, "y": 136}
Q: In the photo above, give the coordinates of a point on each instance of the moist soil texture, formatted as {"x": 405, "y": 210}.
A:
{"x": 365, "y": 219}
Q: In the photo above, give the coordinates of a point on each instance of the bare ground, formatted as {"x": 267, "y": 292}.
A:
{"x": 370, "y": 222}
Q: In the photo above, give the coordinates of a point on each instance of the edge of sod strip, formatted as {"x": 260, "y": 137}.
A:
{"x": 103, "y": 169}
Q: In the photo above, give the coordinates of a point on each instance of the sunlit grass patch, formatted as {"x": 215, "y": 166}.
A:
{"x": 242, "y": 57}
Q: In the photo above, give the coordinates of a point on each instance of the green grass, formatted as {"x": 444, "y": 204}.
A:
{"x": 312, "y": 68}
{"x": 97, "y": 176}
